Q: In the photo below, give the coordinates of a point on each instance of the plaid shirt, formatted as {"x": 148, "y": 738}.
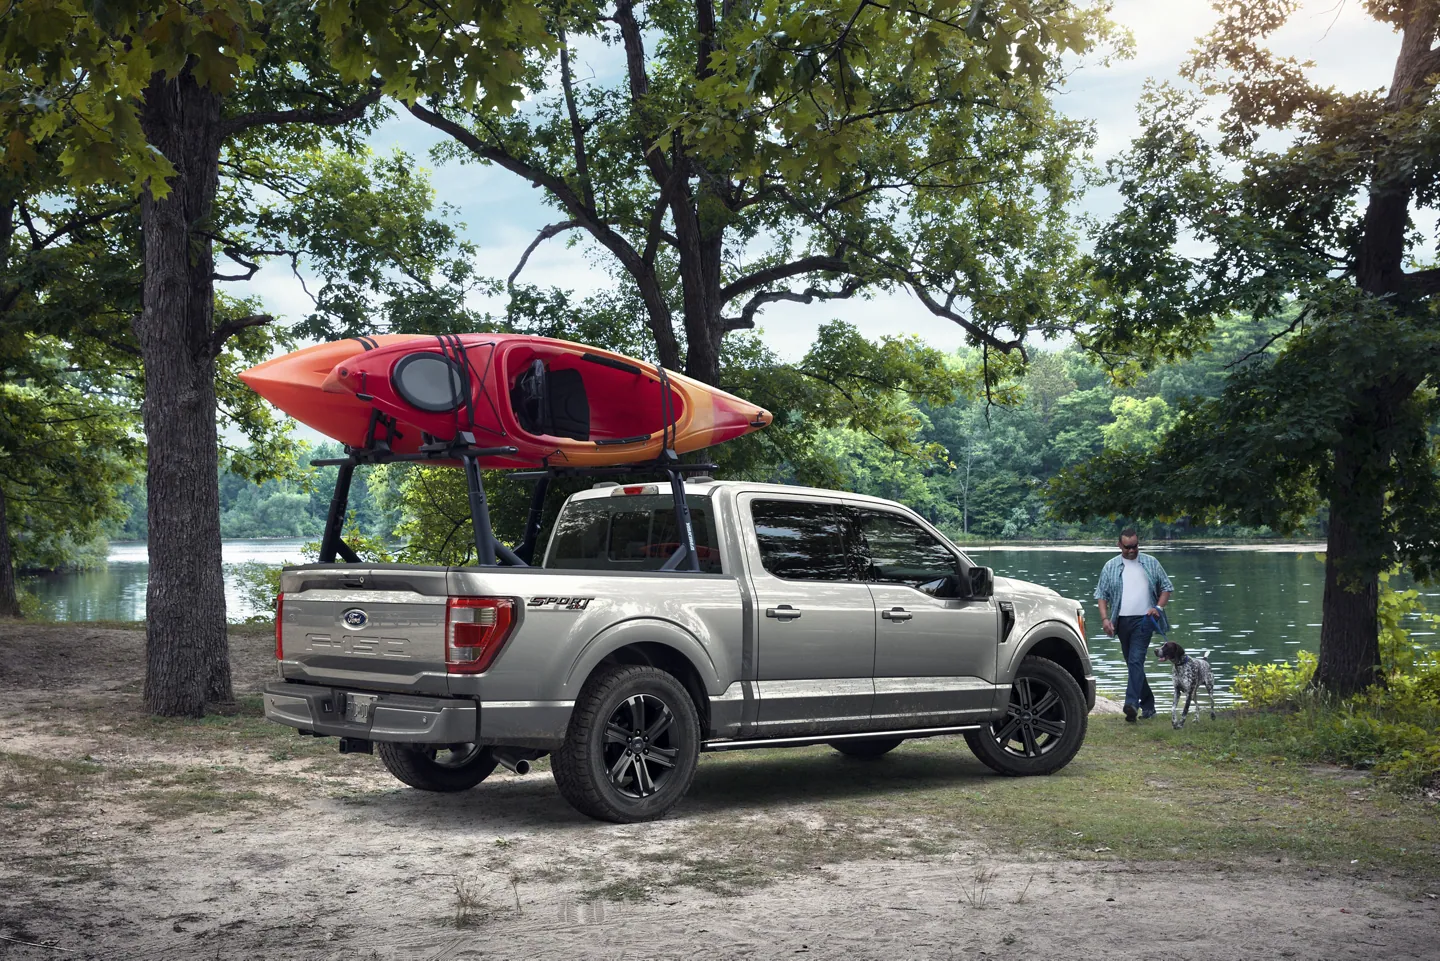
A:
{"x": 1112, "y": 581}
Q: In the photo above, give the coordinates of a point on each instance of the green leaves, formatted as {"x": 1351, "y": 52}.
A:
{"x": 78, "y": 75}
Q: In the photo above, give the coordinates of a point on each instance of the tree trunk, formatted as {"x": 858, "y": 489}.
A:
{"x": 9, "y": 601}
{"x": 187, "y": 656}
{"x": 702, "y": 246}
{"x": 1350, "y": 630}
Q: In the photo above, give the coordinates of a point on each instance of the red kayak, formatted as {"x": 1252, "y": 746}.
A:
{"x": 560, "y": 404}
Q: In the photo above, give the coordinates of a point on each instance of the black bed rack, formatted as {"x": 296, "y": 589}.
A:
{"x": 489, "y": 551}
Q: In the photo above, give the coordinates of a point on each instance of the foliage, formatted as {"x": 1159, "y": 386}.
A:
{"x": 755, "y": 153}
{"x": 259, "y": 582}
{"x": 1398, "y": 652}
{"x": 66, "y": 449}
{"x": 1298, "y": 206}
{"x": 1393, "y": 727}
{"x": 1275, "y": 685}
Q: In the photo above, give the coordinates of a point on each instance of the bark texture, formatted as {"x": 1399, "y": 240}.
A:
{"x": 9, "y": 602}
{"x": 1349, "y": 659}
{"x": 186, "y": 646}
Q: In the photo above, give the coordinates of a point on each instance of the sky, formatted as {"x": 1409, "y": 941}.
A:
{"x": 502, "y": 213}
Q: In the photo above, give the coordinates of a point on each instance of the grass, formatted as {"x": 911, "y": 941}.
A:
{"x": 1136, "y": 792}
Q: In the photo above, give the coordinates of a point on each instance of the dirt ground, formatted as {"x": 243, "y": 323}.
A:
{"x": 126, "y": 838}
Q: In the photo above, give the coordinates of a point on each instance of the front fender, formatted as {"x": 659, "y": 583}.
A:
{"x": 643, "y": 630}
{"x": 1057, "y": 640}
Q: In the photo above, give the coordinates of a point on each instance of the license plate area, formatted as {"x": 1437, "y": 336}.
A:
{"x": 359, "y": 706}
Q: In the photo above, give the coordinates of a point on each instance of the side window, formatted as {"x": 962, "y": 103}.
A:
{"x": 898, "y": 551}
{"x": 799, "y": 541}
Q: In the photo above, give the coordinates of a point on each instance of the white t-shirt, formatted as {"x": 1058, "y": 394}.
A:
{"x": 1135, "y": 599}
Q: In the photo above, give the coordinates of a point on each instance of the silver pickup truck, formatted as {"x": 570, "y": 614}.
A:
{"x": 817, "y": 617}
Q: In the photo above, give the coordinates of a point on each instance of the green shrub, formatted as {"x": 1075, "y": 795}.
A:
{"x": 1275, "y": 685}
{"x": 259, "y": 583}
{"x": 1394, "y": 727}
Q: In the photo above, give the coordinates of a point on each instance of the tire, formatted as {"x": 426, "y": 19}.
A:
{"x": 457, "y": 767}
{"x": 1027, "y": 741}
{"x": 870, "y": 747}
{"x": 632, "y": 746}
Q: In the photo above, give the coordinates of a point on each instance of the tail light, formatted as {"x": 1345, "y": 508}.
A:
{"x": 476, "y": 628}
{"x": 279, "y": 626}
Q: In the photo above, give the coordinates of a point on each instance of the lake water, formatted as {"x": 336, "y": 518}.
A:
{"x": 117, "y": 591}
{"x": 1245, "y": 603}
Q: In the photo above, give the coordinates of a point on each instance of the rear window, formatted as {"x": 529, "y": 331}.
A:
{"x": 629, "y": 533}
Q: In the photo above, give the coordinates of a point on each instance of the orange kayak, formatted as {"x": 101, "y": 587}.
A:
{"x": 560, "y": 404}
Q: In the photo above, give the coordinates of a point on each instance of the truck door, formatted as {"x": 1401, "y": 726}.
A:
{"x": 815, "y": 623}
{"x": 934, "y": 651}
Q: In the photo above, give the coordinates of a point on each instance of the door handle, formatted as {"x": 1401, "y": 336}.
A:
{"x": 896, "y": 614}
{"x": 784, "y": 612}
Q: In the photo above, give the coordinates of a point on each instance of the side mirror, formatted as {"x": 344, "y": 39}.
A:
{"x": 982, "y": 582}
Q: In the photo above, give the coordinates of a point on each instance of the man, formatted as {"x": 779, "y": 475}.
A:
{"x": 1134, "y": 590}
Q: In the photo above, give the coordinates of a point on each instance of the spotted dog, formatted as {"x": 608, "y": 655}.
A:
{"x": 1191, "y": 673}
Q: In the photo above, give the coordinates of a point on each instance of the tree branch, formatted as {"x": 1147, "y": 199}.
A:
{"x": 231, "y": 327}
{"x": 71, "y": 226}
{"x": 577, "y": 131}
{"x": 746, "y": 320}
{"x": 251, "y": 267}
{"x": 986, "y": 338}
{"x": 643, "y": 274}
{"x": 763, "y": 278}
{"x": 1421, "y": 283}
{"x": 544, "y": 235}
{"x": 639, "y": 80}
{"x": 654, "y": 231}
{"x": 323, "y": 118}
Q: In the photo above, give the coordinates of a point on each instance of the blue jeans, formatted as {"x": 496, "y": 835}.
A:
{"x": 1134, "y": 634}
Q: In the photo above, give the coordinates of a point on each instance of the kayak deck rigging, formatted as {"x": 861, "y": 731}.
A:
{"x": 489, "y": 550}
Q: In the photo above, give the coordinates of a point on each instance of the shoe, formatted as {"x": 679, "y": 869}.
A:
{"x": 1147, "y": 715}
{"x": 1130, "y": 713}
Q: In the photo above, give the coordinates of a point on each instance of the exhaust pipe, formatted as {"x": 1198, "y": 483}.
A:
{"x": 510, "y": 762}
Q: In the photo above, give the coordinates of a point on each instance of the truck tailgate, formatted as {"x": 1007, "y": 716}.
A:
{"x": 373, "y": 626}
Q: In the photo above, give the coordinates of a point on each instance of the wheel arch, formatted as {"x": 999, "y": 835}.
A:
{"x": 1054, "y": 641}
{"x": 655, "y": 643}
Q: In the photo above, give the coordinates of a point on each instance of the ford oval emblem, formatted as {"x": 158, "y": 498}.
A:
{"x": 355, "y": 617}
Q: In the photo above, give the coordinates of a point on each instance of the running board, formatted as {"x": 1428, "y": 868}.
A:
{"x": 760, "y": 742}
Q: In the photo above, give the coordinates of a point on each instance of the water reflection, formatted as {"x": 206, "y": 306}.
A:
{"x": 116, "y": 592}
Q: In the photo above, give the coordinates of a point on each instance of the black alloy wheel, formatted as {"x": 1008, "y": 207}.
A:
{"x": 1043, "y": 726}
{"x": 437, "y": 767}
{"x": 1035, "y": 721}
{"x": 632, "y": 747}
{"x": 639, "y": 751}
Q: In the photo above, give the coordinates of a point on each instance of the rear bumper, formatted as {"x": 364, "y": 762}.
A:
{"x": 390, "y": 717}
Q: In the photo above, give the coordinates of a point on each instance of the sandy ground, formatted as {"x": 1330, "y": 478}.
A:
{"x": 337, "y": 861}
